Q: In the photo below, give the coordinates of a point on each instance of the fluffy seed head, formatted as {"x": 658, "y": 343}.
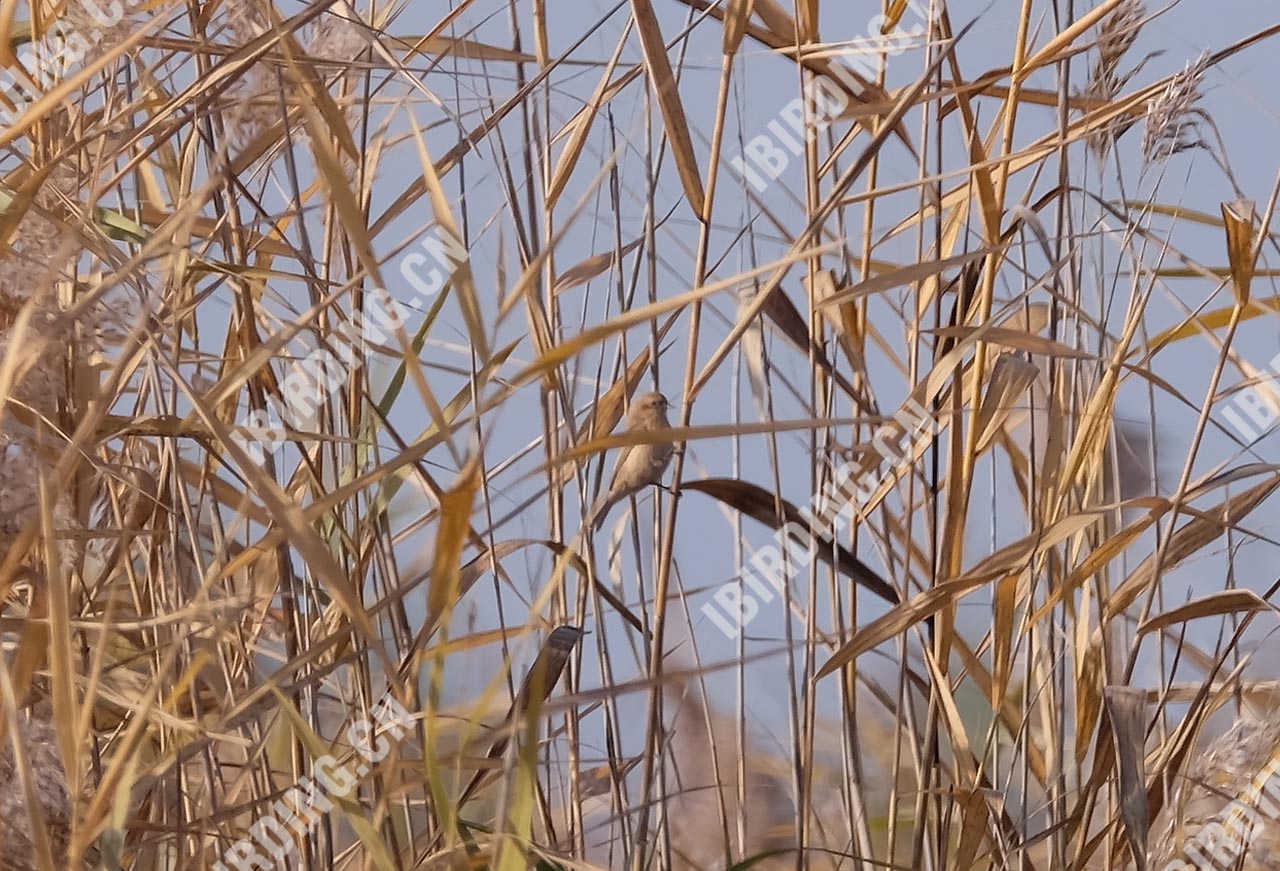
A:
{"x": 1116, "y": 35}
{"x": 1173, "y": 118}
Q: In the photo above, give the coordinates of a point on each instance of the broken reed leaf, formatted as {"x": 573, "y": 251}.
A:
{"x": 907, "y": 275}
{"x": 1088, "y": 683}
{"x": 1016, "y": 340}
{"x": 1237, "y": 473}
{"x": 435, "y": 47}
{"x": 537, "y": 685}
{"x": 468, "y": 575}
{"x": 782, "y": 311}
{"x": 916, "y": 610}
{"x": 1030, "y": 319}
{"x": 970, "y": 785}
{"x": 444, "y": 588}
{"x": 844, "y": 319}
{"x": 1213, "y": 605}
{"x": 667, "y": 90}
{"x": 1007, "y": 388}
{"x": 1004, "y": 610}
{"x": 974, "y": 824}
{"x": 759, "y": 504}
{"x": 556, "y": 355}
{"x": 1111, "y": 548}
{"x": 1134, "y": 458}
{"x": 545, "y": 672}
{"x": 847, "y": 322}
{"x": 142, "y": 499}
{"x": 1019, "y": 555}
{"x": 582, "y": 272}
{"x": 1187, "y": 540}
{"x": 1126, "y": 710}
{"x": 578, "y": 128}
{"x": 753, "y": 352}
{"x": 785, "y": 316}
{"x": 779, "y": 34}
{"x": 788, "y": 321}
{"x": 1240, "y": 220}
{"x": 1014, "y": 558}
{"x": 459, "y": 277}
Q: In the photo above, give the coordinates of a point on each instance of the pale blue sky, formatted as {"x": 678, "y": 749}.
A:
{"x": 1240, "y": 94}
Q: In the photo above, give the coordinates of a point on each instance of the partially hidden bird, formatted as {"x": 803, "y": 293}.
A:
{"x": 638, "y": 465}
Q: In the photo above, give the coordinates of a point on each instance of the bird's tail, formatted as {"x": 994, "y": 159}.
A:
{"x": 599, "y": 512}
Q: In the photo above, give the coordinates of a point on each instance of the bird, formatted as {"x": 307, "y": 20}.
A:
{"x": 639, "y": 465}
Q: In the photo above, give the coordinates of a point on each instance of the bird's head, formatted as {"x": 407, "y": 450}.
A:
{"x": 649, "y": 409}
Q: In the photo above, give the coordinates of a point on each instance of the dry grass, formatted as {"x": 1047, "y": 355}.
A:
{"x": 999, "y": 234}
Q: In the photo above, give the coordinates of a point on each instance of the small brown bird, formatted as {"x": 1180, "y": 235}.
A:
{"x": 638, "y": 465}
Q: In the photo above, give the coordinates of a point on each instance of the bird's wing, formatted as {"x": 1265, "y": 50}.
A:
{"x": 617, "y": 467}
{"x": 605, "y": 501}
